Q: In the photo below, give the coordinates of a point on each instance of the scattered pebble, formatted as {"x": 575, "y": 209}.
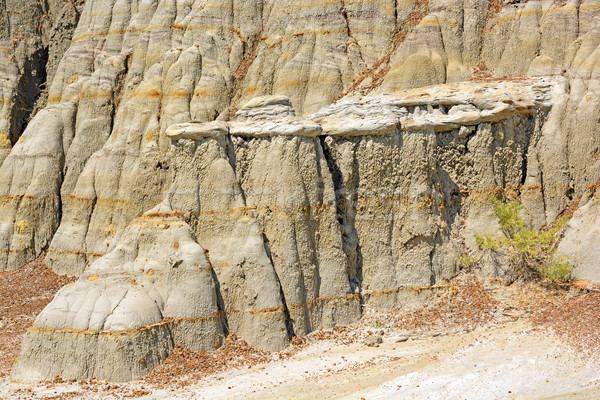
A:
{"x": 373, "y": 340}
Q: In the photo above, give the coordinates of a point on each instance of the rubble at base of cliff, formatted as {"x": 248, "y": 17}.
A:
{"x": 463, "y": 305}
{"x": 23, "y": 294}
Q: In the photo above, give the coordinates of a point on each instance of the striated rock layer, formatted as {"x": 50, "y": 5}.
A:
{"x": 360, "y": 175}
{"x": 275, "y": 225}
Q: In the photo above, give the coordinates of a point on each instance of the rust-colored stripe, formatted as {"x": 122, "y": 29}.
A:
{"x": 83, "y": 253}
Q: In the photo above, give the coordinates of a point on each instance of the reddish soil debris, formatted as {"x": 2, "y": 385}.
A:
{"x": 482, "y": 72}
{"x": 464, "y": 305}
{"x": 184, "y": 367}
{"x": 23, "y": 294}
{"x": 574, "y": 315}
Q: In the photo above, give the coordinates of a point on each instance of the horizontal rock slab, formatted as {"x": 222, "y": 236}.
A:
{"x": 197, "y": 131}
{"x": 353, "y": 126}
{"x": 439, "y": 108}
{"x": 282, "y": 127}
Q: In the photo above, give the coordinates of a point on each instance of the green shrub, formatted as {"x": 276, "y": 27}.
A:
{"x": 527, "y": 248}
{"x": 468, "y": 261}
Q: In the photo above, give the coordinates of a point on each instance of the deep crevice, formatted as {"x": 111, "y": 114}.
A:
{"x": 31, "y": 82}
{"x": 220, "y": 301}
{"x": 286, "y": 312}
{"x": 343, "y": 201}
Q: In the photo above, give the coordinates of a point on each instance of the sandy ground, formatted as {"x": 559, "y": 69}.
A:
{"x": 478, "y": 341}
{"x": 511, "y": 361}
{"x": 514, "y": 361}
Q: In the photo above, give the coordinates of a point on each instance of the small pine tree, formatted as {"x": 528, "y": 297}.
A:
{"x": 528, "y": 248}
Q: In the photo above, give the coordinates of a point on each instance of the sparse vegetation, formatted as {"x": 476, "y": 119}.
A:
{"x": 529, "y": 250}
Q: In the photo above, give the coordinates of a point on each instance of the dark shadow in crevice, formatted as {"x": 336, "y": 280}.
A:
{"x": 345, "y": 202}
{"x": 32, "y": 81}
{"x": 289, "y": 324}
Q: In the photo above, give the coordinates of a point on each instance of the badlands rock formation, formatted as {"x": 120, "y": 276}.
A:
{"x": 34, "y": 35}
{"x": 268, "y": 167}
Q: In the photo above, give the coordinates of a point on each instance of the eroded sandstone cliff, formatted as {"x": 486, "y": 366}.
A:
{"x": 190, "y": 205}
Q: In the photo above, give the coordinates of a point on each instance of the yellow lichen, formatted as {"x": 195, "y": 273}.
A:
{"x": 22, "y": 139}
{"x": 151, "y": 136}
{"x": 73, "y": 79}
{"x": 23, "y": 226}
{"x": 4, "y": 142}
{"x": 111, "y": 230}
{"x": 150, "y": 272}
{"x": 93, "y": 277}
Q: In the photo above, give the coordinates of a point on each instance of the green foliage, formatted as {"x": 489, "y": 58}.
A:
{"x": 488, "y": 241}
{"x": 527, "y": 247}
{"x": 558, "y": 269}
{"x": 467, "y": 261}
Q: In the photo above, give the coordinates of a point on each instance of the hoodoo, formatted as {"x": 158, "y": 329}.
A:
{"x": 270, "y": 168}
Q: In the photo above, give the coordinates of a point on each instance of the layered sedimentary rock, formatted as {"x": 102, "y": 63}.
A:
{"x": 296, "y": 215}
{"x": 239, "y": 280}
{"x": 153, "y": 291}
{"x": 286, "y": 181}
{"x": 291, "y": 222}
{"x": 133, "y": 69}
{"x": 34, "y": 35}
{"x": 206, "y": 189}
{"x": 414, "y": 172}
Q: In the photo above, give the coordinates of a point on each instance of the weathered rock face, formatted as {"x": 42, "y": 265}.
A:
{"x": 34, "y": 35}
{"x": 580, "y": 242}
{"x": 298, "y": 219}
{"x": 133, "y": 70}
{"x": 187, "y": 218}
{"x": 414, "y": 174}
{"x": 154, "y": 290}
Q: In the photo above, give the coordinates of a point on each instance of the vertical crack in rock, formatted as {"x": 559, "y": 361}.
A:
{"x": 31, "y": 81}
{"x": 353, "y": 40}
{"x": 532, "y": 194}
{"x": 433, "y": 278}
{"x": 345, "y": 201}
{"x": 220, "y": 301}
{"x": 288, "y": 320}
